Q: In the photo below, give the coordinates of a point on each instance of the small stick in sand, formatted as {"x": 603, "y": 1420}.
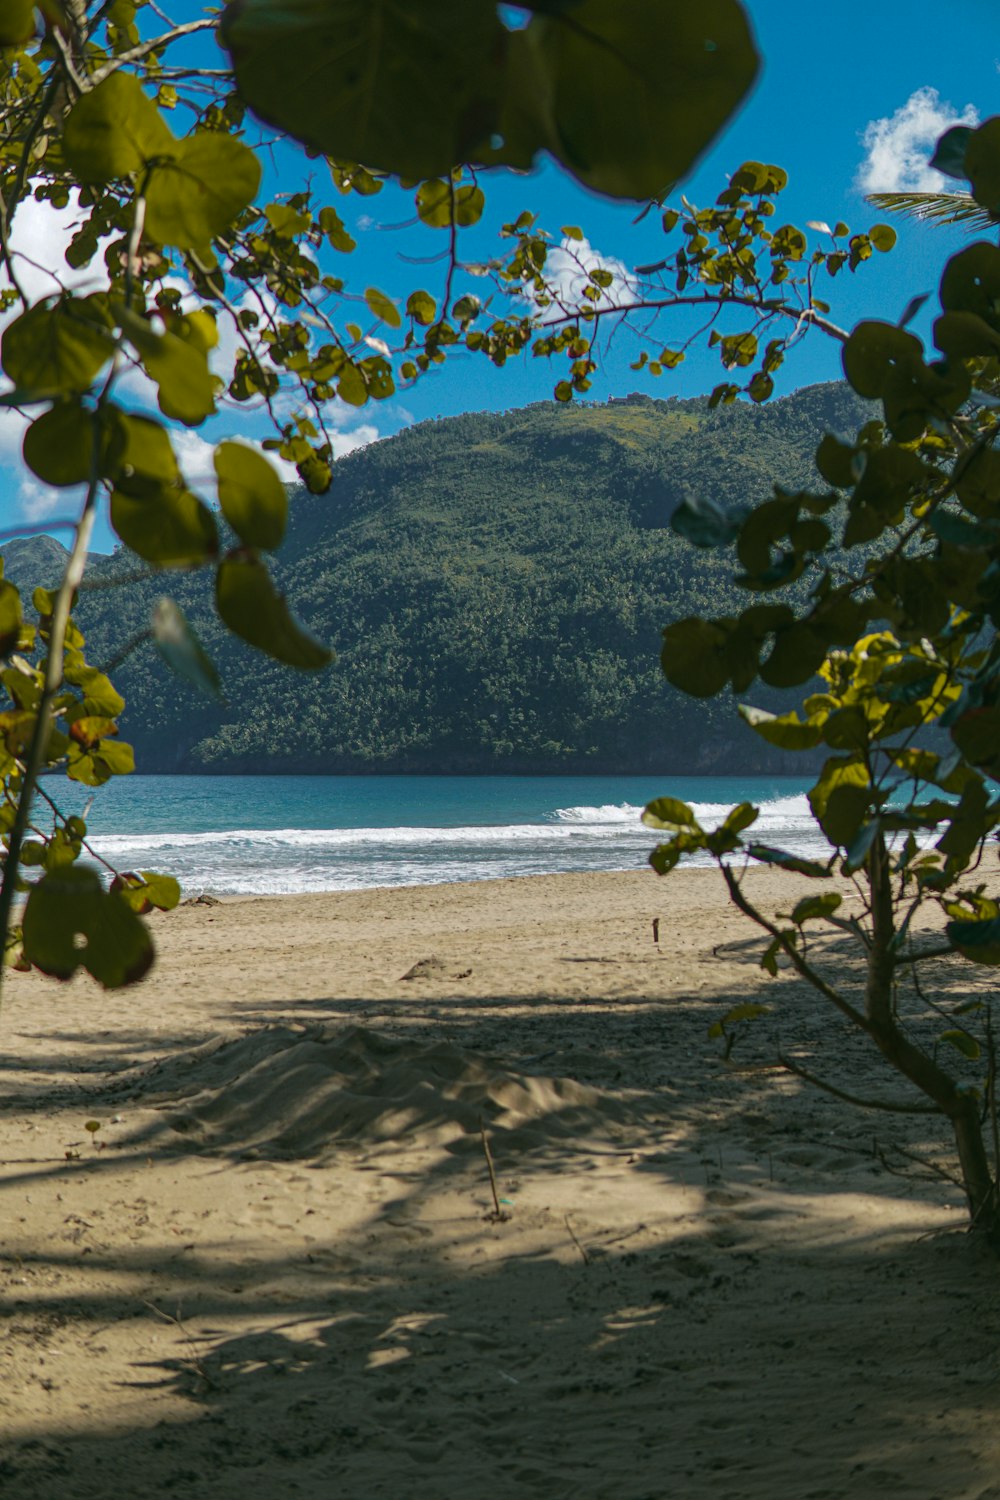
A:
{"x": 573, "y": 1237}
{"x": 497, "y": 1216}
{"x": 194, "y": 1360}
{"x": 656, "y": 929}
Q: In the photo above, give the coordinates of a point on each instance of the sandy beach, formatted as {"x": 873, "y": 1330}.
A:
{"x": 275, "y": 1267}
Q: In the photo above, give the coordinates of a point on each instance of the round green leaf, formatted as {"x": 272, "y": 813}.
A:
{"x": 195, "y": 195}
{"x": 669, "y": 812}
{"x": 11, "y": 618}
{"x": 971, "y": 283}
{"x": 421, "y": 307}
{"x": 882, "y": 236}
{"x": 178, "y": 366}
{"x": 873, "y": 350}
{"x": 59, "y": 348}
{"x": 253, "y": 498}
{"x": 787, "y": 731}
{"x": 962, "y": 1042}
{"x": 59, "y": 445}
{"x": 382, "y": 307}
{"x": 141, "y": 458}
{"x": 627, "y": 94}
{"x": 434, "y": 203}
{"x": 964, "y": 335}
{"x": 982, "y": 164}
{"x": 693, "y": 657}
{"x": 115, "y": 130}
{"x": 949, "y": 153}
{"x": 69, "y": 921}
{"x": 977, "y": 941}
{"x": 253, "y": 609}
{"x": 324, "y": 70}
{"x": 17, "y": 23}
{"x": 172, "y": 529}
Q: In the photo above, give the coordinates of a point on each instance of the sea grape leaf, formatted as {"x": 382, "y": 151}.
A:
{"x": 965, "y": 335}
{"x": 141, "y": 456}
{"x": 114, "y": 130}
{"x": 70, "y": 920}
{"x": 977, "y": 941}
{"x": 625, "y": 93}
{"x": 747, "y": 1010}
{"x": 445, "y": 59}
{"x": 194, "y": 195}
{"x": 58, "y": 348}
{"x": 58, "y": 446}
{"x": 693, "y": 657}
{"x": 669, "y": 813}
{"x": 962, "y": 1042}
{"x": 383, "y": 307}
{"x": 816, "y": 907}
{"x": 982, "y": 163}
{"x": 840, "y": 799}
{"x": 11, "y": 618}
{"x": 180, "y": 647}
{"x": 173, "y": 529}
{"x": 185, "y": 384}
{"x": 145, "y": 891}
{"x": 739, "y": 818}
{"x": 949, "y": 153}
{"x": 250, "y": 605}
{"x": 96, "y": 765}
{"x": 873, "y": 350}
{"x": 99, "y": 695}
{"x": 787, "y": 731}
{"x": 795, "y": 863}
{"x": 253, "y": 499}
{"x": 17, "y": 23}
{"x": 705, "y": 523}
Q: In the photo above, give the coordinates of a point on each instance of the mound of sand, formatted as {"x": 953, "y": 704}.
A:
{"x": 290, "y": 1093}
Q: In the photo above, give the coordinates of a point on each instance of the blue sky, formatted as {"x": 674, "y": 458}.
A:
{"x": 851, "y": 96}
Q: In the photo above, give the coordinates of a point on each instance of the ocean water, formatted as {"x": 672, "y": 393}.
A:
{"x": 278, "y": 835}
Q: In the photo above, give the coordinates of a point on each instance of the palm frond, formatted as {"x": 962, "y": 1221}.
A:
{"x": 940, "y": 208}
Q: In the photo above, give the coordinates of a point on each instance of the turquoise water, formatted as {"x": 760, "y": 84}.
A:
{"x": 276, "y": 835}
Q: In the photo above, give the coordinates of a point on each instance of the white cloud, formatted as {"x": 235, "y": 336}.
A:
{"x": 38, "y": 245}
{"x": 899, "y": 147}
{"x": 567, "y": 274}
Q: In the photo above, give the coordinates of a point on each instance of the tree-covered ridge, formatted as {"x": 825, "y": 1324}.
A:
{"x": 494, "y": 586}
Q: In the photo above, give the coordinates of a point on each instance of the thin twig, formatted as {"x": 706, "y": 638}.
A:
{"x": 885, "y": 1104}
{"x": 195, "y": 1359}
{"x": 498, "y": 1215}
{"x": 930, "y": 1167}
{"x": 572, "y": 1235}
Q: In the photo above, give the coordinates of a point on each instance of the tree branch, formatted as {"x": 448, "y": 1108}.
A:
{"x": 154, "y": 44}
{"x": 794, "y": 956}
{"x": 828, "y": 1088}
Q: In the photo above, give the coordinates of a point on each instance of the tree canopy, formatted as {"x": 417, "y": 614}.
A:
{"x": 116, "y": 114}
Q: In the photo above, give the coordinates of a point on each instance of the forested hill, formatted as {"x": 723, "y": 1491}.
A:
{"x": 495, "y": 587}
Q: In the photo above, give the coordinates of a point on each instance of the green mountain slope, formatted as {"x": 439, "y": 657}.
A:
{"x": 495, "y": 586}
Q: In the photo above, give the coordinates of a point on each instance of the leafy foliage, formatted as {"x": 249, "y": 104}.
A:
{"x": 175, "y": 249}
{"x": 478, "y": 91}
{"x": 904, "y": 640}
